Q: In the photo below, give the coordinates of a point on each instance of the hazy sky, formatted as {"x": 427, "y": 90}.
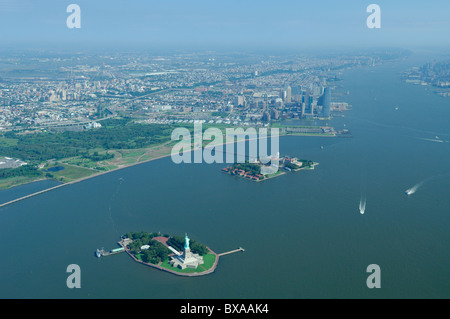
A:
{"x": 234, "y": 23}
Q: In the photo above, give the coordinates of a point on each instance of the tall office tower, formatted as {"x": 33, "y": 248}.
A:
{"x": 288, "y": 94}
{"x": 306, "y": 100}
{"x": 240, "y": 100}
{"x": 326, "y": 103}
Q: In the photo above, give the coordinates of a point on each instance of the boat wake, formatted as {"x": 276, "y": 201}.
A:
{"x": 414, "y": 189}
{"x": 436, "y": 140}
{"x": 411, "y": 129}
{"x": 362, "y": 205}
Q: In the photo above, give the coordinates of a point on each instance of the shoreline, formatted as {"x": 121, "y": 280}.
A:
{"x": 94, "y": 175}
{"x": 73, "y": 182}
{"x": 126, "y": 166}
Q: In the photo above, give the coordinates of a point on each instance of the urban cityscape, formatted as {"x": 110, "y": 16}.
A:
{"x": 242, "y": 90}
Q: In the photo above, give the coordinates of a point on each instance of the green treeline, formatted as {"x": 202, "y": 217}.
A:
{"x": 25, "y": 170}
{"x": 291, "y": 166}
{"x": 306, "y": 163}
{"x": 252, "y": 168}
{"x": 122, "y": 134}
{"x": 157, "y": 251}
{"x": 97, "y": 157}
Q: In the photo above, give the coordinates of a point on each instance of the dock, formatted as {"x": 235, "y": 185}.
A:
{"x": 231, "y": 251}
{"x": 102, "y": 252}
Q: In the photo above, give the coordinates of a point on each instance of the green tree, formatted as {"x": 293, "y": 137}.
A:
{"x": 199, "y": 249}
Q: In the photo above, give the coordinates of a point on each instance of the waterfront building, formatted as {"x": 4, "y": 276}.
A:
{"x": 326, "y": 103}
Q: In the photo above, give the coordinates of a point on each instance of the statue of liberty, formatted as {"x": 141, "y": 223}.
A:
{"x": 186, "y": 242}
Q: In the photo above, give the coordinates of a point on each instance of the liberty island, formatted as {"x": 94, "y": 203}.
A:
{"x": 163, "y": 252}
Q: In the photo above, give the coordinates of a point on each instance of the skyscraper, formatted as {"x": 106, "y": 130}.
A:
{"x": 240, "y": 100}
{"x": 326, "y": 103}
{"x": 288, "y": 94}
{"x": 307, "y": 99}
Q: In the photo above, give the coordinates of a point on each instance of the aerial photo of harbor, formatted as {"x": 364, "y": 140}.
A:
{"x": 200, "y": 150}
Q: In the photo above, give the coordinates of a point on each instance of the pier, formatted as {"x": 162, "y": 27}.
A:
{"x": 231, "y": 251}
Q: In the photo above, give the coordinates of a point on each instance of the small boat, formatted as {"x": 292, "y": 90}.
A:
{"x": 98, "y": 253}
{"x": 408, "y": 192}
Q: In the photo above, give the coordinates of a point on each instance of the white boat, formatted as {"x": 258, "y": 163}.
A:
{"x": 98, "y": 253}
